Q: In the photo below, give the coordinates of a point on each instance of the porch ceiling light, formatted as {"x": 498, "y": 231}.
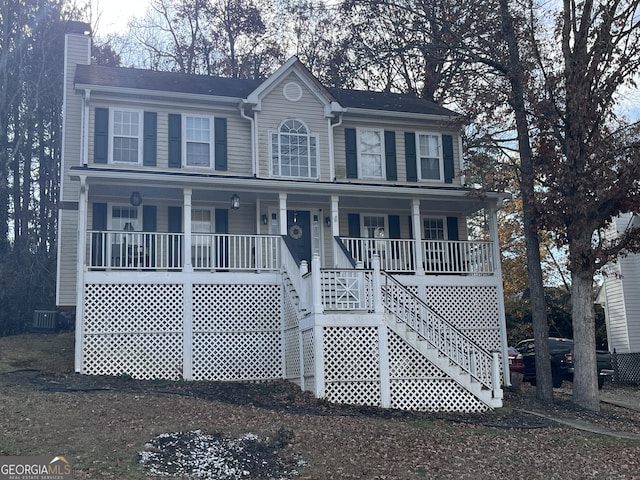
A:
{"x": 235, "y": 201}
{"x": 135, "y": 199}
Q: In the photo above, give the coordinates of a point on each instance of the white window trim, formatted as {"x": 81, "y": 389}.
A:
{"x": 382, "y": 153}
{"x": 435, "y": 217}
{"x": 212, "y": 140}
{"x": 309, "y": 135}
{"x": 363, "y": 228}
{"x": 440, "y": 158}
{"x": 111, "y": 132}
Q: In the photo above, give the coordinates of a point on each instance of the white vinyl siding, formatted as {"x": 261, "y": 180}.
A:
{"x": 125, "y": 136}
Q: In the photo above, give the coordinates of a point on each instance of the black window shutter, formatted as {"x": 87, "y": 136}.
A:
{"x": 354, "y": 225}
{"x": 394, "y": 226}
{"x": 149, "y": 224}
{"x": 390, "y": 155}
{"x": 175, "y": 219}
{"x": 175, "y": 140}
{"x": 351, "y": 152}
{"x": 149, "y": 218}
{"x": 101, "y": 136}
{"x": 99, "y": 216}
{"x": 150, "y": 139}
{"x": 220, "y": 135}
{"x": 222, "y": 220}
{"x": 447, "y": 156}
{"x": 175, "y": 243}
{"x": 452, "y": 228}
{"x": 410, "y": 156}
{"x": 99, "y": 222}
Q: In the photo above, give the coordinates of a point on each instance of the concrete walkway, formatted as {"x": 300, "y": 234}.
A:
{"x": 586, "y": 426}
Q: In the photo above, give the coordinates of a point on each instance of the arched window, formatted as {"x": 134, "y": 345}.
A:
{"x": 294, "y": 151}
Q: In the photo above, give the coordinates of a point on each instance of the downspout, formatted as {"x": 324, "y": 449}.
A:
{"x": 85, "y": 128}
{"x": 461, "y": 161}
{"x": 254, "y": 165}
{"x": 332, "y": 161}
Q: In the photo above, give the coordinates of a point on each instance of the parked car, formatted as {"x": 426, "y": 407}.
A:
{"x": 516, "y": 363}
{"x": 562, "y": 366}
{"x": 516, "y": 367}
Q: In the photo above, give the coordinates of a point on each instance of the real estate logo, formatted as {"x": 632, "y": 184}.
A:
{"x": 35, "y": 468}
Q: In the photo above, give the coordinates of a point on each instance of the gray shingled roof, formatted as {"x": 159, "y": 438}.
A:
{"x": 241, "y": 88}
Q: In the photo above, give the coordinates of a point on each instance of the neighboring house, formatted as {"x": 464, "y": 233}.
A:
{"x": 229, "y": 229}
{"x": 620, "y": 297}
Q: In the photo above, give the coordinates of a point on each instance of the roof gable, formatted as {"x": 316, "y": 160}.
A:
{"x": 294, "y": 66}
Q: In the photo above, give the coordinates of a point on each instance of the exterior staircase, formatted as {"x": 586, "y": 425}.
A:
{"x": 441, "y": 343}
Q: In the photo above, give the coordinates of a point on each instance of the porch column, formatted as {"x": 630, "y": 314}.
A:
{"x": 282, "y": 197}
{"x": 335, "y": 223}
{"x": 335, "y": 227}
{"x": 492, "y": 210}
{"x": 417, "y": 235}
{"x": 80, "y": 266}
{"x": 188, "y": 267}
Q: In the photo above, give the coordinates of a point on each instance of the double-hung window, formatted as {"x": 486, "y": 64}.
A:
{"x": 197, "y": 137}
{"x": 434, "y": 229}
{"x": 430, "y": 156}
{"x": 371, "y": 153}
{"x": 294, "y": 151}
{"x": 373, "y": 226}
{"x": 126, "y": 144}
{"x": 124, "y": 218}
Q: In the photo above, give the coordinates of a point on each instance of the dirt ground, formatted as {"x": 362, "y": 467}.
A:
{"x": 108, "y": 427}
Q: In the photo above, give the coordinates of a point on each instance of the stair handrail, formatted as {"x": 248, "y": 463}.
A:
{"x": 437, "y": 331}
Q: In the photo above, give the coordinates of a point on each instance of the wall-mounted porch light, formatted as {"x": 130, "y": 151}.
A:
{"x": 265, "y": 219}
{"x": 135, "y": 199}
{"x": 235, "y": 201}
{"x": 327, "y": 221}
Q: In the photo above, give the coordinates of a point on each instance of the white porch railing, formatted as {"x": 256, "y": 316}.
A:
{"x": 346, "y": 290}
{"x": 134, "y": 250}
{"x": 461, "y": 257}
{"x": 438, "y": 332}
{"x": 235, "y": 252}
{"x": 439, "y": 256}
{"x": 396, "y": 255}
{"x": 165, "y": 251}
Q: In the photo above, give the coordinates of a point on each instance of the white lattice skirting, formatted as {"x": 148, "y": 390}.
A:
{"x": 251, "y": 332}
{"x": 138, "y": 330}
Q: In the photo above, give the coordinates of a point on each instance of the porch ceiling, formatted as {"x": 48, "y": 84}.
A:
{"x": 215, "y": 188}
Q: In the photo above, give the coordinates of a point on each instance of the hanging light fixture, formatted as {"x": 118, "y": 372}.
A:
{"x": 135, "y": 199}
{"x": 235, "y": 201}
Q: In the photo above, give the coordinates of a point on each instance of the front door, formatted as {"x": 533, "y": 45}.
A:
{"x": 299, "y": 234}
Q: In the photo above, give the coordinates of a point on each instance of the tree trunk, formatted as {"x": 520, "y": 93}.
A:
{"x": 544, "y": 388}
{"x": 585, "y": 377}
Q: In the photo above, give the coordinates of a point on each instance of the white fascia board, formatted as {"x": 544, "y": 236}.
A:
{"x": 367, "y": 112}
{"x": 251, "y": 184}
{"x": 170, "y": 96}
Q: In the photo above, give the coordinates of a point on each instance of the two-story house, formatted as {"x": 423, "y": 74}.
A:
{"x": 229, "y": 229}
